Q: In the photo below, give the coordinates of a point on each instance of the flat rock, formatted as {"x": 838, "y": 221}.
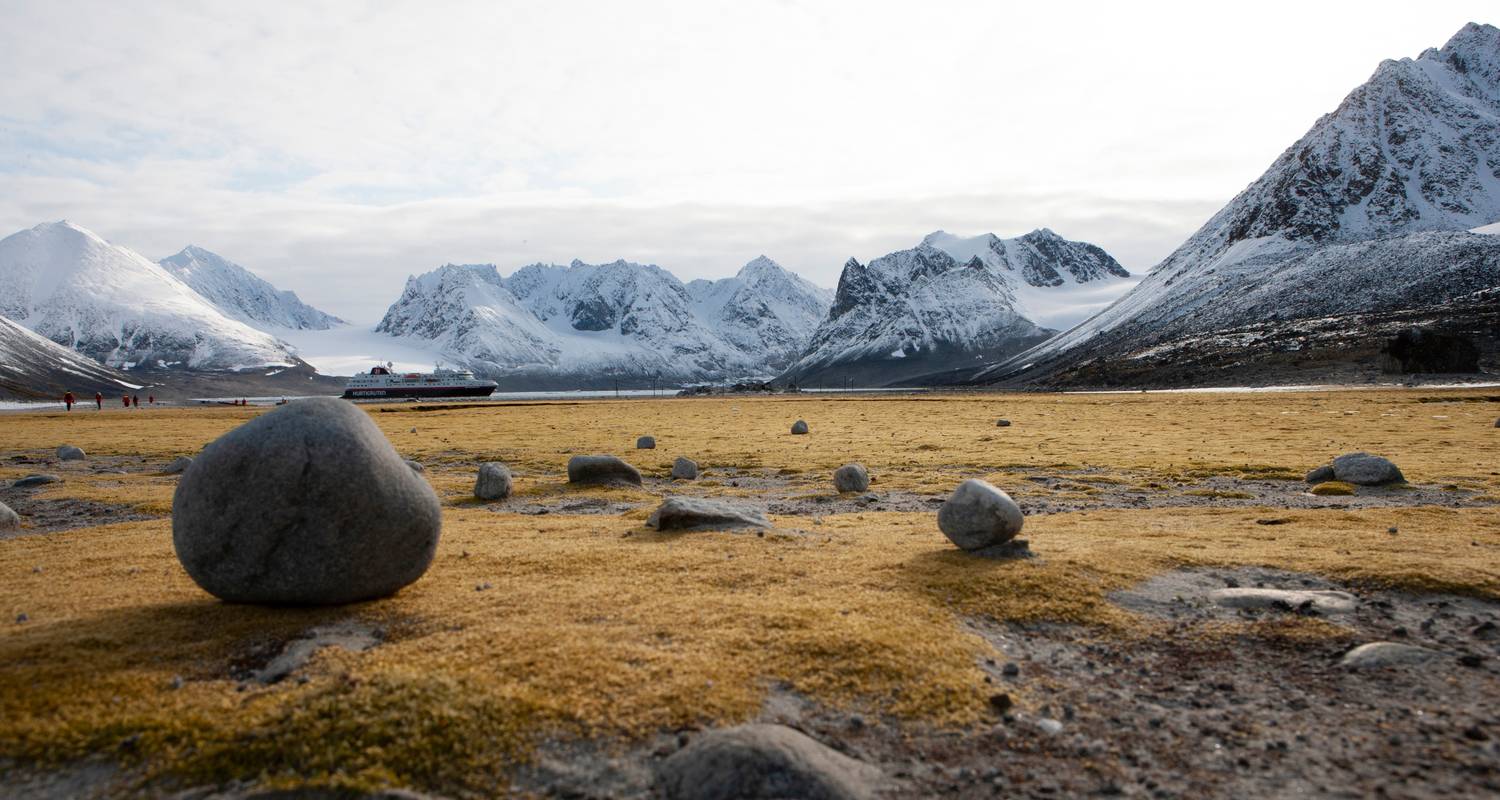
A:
{"x": 70, "y": 453}
{"x": 685, "y": 468}
{"x": 1327, "y": 601}
{"x": 764, "y": 761}
{"x": 34, "y": 480}
{"x": 178, "y": 465}
{"x": 308, "y": 504}
{"x": 702, "y": 513}
{"x": 851, "y": 478}
{"x": 352, "y": 636}
{"x": 1385, "y": 654}
{"x": 646, "y": 443}
{"x": 1002, "y": 423}
{"x": 605, "y": 470}
{"x": 1363, "y": 469}
{"x": 9, "y": 519}
{"x": 494, "y": 481}
{"x": 799, "y": 427}
{"x": 978, "y": 515}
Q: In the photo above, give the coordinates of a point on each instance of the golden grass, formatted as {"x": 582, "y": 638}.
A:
{"x": 595, "y": 626}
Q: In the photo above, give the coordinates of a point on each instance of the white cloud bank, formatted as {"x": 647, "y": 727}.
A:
{"x": 337, "y": 147}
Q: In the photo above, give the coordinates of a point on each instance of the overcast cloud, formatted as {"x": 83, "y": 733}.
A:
{"x": 336, "y": 148}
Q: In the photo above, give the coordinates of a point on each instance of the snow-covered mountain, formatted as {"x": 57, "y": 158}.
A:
{"x": 593, "y": 324}
{"x": 1366, "y": 213}
{"x": 241, "y": 294}
{"x": 118, "y": 307}
{"x": 763, "y": 309}
{"x": 953, "y": 303}
{"x": 34, "y": 367}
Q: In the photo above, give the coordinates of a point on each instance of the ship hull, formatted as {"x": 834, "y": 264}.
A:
{"x": 389, "y": 392}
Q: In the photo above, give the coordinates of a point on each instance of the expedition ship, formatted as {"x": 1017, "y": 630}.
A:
{"x": 383, "y": 382}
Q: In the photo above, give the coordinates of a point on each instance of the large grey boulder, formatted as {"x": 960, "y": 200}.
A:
{"x": 9, "y": 519}
{"x": 646, "y": 443}
{"x": 31, "y": 481}
{"x": 70, "y": 453}
{"x": 701, "y": 513}
{"x": 1363, "y": 469}
{"x": 1328, "y": 601}
{"x": 799, "y": 427}
{"x": 685, "y": 468}
{"x": 605, "y": 470}
{"x": 851, "y": 478}
{"x": 978, "y": 515}
{"x": 1385, "y": 654}
{"x": 493, "y": 483}
{"x": 306, "y": 505}
{"x": 764, "y": 761}
{"x": 178, "y": 466}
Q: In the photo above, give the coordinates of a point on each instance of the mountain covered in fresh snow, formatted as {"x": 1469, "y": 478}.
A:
{"x": 952, "y": 303}
{"x": 118, "y": 307}
{"x": 35, "y": 367}
{"x": 1369, "y": 212}
{"x": 594, "y": 324}
{"x": 243, "y": 295}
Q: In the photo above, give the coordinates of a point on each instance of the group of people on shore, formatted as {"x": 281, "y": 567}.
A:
{"x": 128, "y": 400}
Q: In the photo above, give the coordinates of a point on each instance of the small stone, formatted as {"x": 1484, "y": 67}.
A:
{"x": 645, "y": 443}
{"x": 685, "y": 468}
{"x": 701, "y": 513}
{"x": 22, "y": 618}
{"x": 1002, "y": 423}
{"x": 34, "y": 480}
{"x": 1000, "y": 703}
{"x": 493, "y": 483}
{"x": 1285, "y": 599}
{"x": 416, "y": 466}
{"x": 1471, "y": 660}
{"x": 1049, "y": 726}
{"x": 70, "y": 453}
{"x": 1497, "y": 423}
{"x": 851, "y": 478}
{"x": 1322, "y": 474}
{"x": 1393, "y": 530}
{"x": 306, "y": 505}
{"x": 177, "y": 682}
{"x": 178, "y": 466}
{"x": 9, "y": 519}
{"x": 605, "y": 470}
{"x": 1011, "y": 669}
{"x": 799, "y": 427}
{"x": 764, "y": 761}
{"x": 1363, "y": 469}
{"x": 1385, "y": 654}
{"x": 978, "y": 515}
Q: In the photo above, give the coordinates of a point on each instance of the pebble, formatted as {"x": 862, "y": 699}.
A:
{"x": 685, "y": 468}
{"x": 702, "y": 513}
{"x": 764, "y": 761}
{"x": 799, "y": 427}
{"x": 493, "y": 483}
{"x": 1011, "y": 669}
{"x": 645, "y": 443}
{"x": 851, "y": 478}
{"x": 70, "y": 453}
{"x": 1049, "y": 726}
{"x": 1385, "y": 654}
{"x": 306, "y": 505}
{"x": 604, "y": 470}
{"x": 9, "y": 519}
{"x": 21, "y": 618}
{"x": 178, "y": 466}
{"x": 1002, "y": 423}
{"x": 978, "y": 515}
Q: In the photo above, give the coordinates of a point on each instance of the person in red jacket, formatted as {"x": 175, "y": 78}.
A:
{"x": 99, "y": 400}
{"x": 151, "y": 400}
{"x": 126, "y": 400}
{"x": 68, "y": 399}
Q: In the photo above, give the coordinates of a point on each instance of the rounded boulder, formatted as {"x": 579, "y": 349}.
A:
{"x": 851, "y": 478}
{"x": 1363, "y": 469}
{"x": 646, "y": 443}
{"x": 306, "y": 505}
{"x": 493, "y": 483}
{"x": 602, "y": 470}
{"x": 685, "y": 468}
{"x": 9, "y": 519}
{"x": 799, "y": 427}
{"x": 978, "y": 515}
{"x": 70, "y": 453}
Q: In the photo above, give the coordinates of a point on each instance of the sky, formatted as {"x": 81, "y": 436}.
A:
{"x": 337, "y": 147}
